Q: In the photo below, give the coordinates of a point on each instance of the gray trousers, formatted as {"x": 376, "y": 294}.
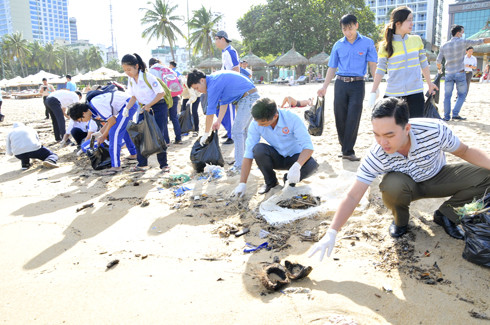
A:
{"x": 469, "y": 75}
{"x": 462, "y": 182}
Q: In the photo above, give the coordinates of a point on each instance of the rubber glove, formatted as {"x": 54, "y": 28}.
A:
{"x": 204, "y": 137}
{"x": 126, "y": 111}
{"x": 327, "y": 241}
{"x": 294, "y": 173}
{"x": 372, "y": 99}
{"x": 239, "y": 191}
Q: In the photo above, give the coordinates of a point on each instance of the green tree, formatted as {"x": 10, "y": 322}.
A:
{"x": 162, "y": 23}
{"x": 203, "y": 27}
{"x": 35, "y": 58}
{"x": 114, "y": 64}
{"x": 94, "y": 58}
{"x": 17, "y": 47}
{"x": 51, "y": 58}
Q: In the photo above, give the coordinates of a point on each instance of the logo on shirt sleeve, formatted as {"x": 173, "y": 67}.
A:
{"x": 285, "y": 130}
{"x": 155, "y": 84}
{"x": 361, "y": 53}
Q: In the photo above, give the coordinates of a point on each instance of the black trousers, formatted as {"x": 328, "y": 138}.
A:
{"x": 46, "y": 111}
{"x": 42, "y": 153}
{"x": 57, "y": 117}
{"x": 268, "y": 159}
{"x": 195, "y": 114}
{"x": 415, "y": 104}
{"x": 348, "y": 109}
{"x": 78, "y": 134}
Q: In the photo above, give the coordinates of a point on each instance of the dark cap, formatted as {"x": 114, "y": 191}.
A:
{"x": 223, "y": 34}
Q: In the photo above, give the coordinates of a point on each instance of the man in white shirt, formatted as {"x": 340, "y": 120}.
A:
{"x": 469, "y": 66}
{"x": 410, "y": 155}
{"x": 23, "y": 142}
{"x": 80, "y": 131}
{"x": 57, "y": 104}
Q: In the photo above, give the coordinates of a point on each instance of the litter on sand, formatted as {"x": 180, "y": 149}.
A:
{"x": 181, "y": 190}
{"x": 174, "y": 180}
{"x": 302, "y": 201}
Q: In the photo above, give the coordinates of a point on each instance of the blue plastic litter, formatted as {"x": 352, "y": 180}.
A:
{"x": 214, "y": 174}
{"x": 181, "y": 190}
{"x": 254, "y": 248}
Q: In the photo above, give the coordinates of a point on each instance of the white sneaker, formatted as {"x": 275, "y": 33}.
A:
{"x": 50, "y": 164}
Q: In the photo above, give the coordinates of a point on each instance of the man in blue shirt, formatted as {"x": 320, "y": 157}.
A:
{"x": 288, "y": 147}
{"x": 173, "y": 66}
{"x": 223, "y": 88}
{"x": 349, "y": 59}
{"x": 70, "y": 85}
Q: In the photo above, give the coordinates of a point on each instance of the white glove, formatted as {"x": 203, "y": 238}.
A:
{"x": 204, "y": 137}
{"x": 239, "y": 191}
{"x": 327, "y": 241}
{"x": 294, "y": 173}
{"x": 96, "y": 135}
{"x": 372, "y": 99}
{"x": 126, "y": 111}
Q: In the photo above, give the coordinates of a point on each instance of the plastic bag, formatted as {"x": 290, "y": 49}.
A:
{"x": 99, "y": 157}
{"x": 477, "y": 236}
{"x": 185, "y": 119}
{"x": 430, "y": 108}
{"x": 437, "y": 82}
{"x": 210, "y": 153}
{"x": 146, "y": 135}
{"x": 315, "y": 117}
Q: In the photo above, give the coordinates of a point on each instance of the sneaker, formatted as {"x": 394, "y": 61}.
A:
{"x": 445, "y": 119}
{"x": 26, "y": 166}
{"x": 178, "y": 142}
{"x": 457, "y": 117}
{"x": 50, "y": 163}
{"x": 225, "y": 136}
{"x": 229, "y": 141}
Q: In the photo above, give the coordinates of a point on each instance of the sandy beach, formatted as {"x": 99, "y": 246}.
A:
{"x": 178, "y": 266}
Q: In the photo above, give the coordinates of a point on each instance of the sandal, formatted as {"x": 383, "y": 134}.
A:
{"x": 138, "y": 169}
{"x": 165, "y": 170}
{"x": 131, "y": 158}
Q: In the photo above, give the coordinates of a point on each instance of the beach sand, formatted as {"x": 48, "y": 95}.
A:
{"x": 176, "y": 264}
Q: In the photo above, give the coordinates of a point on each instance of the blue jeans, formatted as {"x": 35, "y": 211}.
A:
{"x": 160, "y": 112}
{"x": 240, "y": 126}
{"x": 461, "y": 87}
{"x": 172, "y": 112}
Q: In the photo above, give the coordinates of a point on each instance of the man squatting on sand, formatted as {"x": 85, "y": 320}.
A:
{"x": 410, "y": 155}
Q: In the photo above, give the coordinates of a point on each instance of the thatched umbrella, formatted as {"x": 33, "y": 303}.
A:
{"x": 292, "y": 58}
{"x": 210, "y": 63}
{"x": 254, "y": 61}
{"x": 321, "y": 58}
{"x": 482, "y": 49}
{"x": 273, "y": 63}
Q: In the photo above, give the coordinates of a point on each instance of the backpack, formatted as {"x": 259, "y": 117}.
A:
{"x": 104, "y": 90}
{"x": 168, "y": 94}
{"x": 170, "y": 79}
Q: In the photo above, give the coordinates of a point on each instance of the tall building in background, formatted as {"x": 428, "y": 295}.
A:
{"x": 37, "y": 20}
{"x": 427, "y": 17}
{"x": 73, "y": 30}
{"x": 221, "y": 24}
{"x": 472, "y": 15}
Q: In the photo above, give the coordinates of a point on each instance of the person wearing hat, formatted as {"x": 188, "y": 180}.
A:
{"x": 230, "y": 60}
{"x": 244, "y": 71}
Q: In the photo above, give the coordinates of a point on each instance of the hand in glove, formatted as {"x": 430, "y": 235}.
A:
{"x": 126, "y": 112}
{"x": 294, "y": 173}
{"x": 372, "y": 99}
{"x": 239, "y": 191}
{"x": 204, "y": 137}
{"x": 327, "y": 241}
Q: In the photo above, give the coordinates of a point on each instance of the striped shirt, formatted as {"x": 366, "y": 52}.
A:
{"x": 403, "y": 67}
{"x": 454, "y": 53}
{"x": 429, "y": 139}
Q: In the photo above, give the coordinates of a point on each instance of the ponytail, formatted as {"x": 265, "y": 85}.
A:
{"x": 398, "y": 15}
{"x": 388, "y": 42}
{"x": 134, "y": 59}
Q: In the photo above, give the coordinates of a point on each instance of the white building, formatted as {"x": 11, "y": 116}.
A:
{"x": 427, "y": 17}
{"x": 165, "y": 56}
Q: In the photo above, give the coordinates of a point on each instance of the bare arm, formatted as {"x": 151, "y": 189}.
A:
{"x": 372, "y": 68}
{"x": 105, "y": 129}
{"x": 304, "y": 156}
{"x": 472, "y": 155}
{"x": 237, "y": 69}
{"x": 348, "y": 204}
{"x": 330, "y": 75}
{"x": 376, "y": 82}
{"x": 155, "y": 100}
{"x": 246, "y": 167}
{"x": 131, "y": 102}
{"x": 221, "y": 115}
{"x": 209, "y": 123}
{"x": 432, "y": 87}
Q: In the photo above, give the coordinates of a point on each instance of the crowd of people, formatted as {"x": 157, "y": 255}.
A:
{"x": 408, "y": 151}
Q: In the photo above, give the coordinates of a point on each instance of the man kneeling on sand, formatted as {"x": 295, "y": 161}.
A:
{"x": 289, "y": 147}
{"x": 23, "y": 142}
{"x": 410, "y": 154}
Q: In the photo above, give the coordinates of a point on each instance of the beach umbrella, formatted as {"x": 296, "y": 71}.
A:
{"x": 14, "y": 82}
{"x": 273, "y": 63}
{"x": 43, "y": 74}
{"x": 321, "y": 58}
{"x": 3, "y": 82}
{"x": 292, "y": 58}
{"x": 254, "y": 61}
{"x": 210, "y": 63}
{"x": 482, "y": 49}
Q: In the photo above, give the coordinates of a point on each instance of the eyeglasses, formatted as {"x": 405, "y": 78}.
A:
{"x": 217, "y": 38}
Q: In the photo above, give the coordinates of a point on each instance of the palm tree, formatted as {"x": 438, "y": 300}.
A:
{"x": 51, "y": 59}
{"x": 94, "y": 58}
{"x": 161, "y": 23}
{"x": 35, "y": 59}
{"x": 17, "y": 46}
{"x": 203, "y": 26}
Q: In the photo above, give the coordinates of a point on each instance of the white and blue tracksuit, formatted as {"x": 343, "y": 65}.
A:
{"x": 101, "y": 106}
{"x": 229, "y": 57}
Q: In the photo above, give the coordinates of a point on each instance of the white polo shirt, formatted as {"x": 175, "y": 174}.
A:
{"x": 471, "y": 61}
{"x": 140, "y": 89}
{"x": 89, "y": 126}
{"x": 65, "y": 97}
{"x": 101, "y": 104}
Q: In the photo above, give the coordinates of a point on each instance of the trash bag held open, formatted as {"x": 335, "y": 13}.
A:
{"x": 146, "y": 135}
{"x": 185, "y": 119}
{"x": 210, "y": 153}
{"x": 99, "y": 157}
{"x": 477, "y": 235}
{"x": 315, "y": 117}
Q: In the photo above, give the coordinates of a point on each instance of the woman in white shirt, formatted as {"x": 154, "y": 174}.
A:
{"x": 145, "y": 88}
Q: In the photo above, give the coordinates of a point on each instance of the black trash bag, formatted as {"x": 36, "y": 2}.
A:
{"x": 210, "y": 153}
{"x": 99, "y": 157}
{"x": 146, "y": 135}
{"x": 315, "y": 117}
{"x": 430, "y": 108}
{"x": 477, "y": 236}
{"x": 437, "y": 82}
{"x": 185, "y": 119}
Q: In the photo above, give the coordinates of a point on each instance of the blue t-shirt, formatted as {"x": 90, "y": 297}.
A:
{"x": 289, "y": 137}
{"x": 70, "y": 85}
{"x": 245, "y": 73}
{"x": 351, "y": 59}
{"x": 225, "y": 87}
{"x": 177, "y": 72}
